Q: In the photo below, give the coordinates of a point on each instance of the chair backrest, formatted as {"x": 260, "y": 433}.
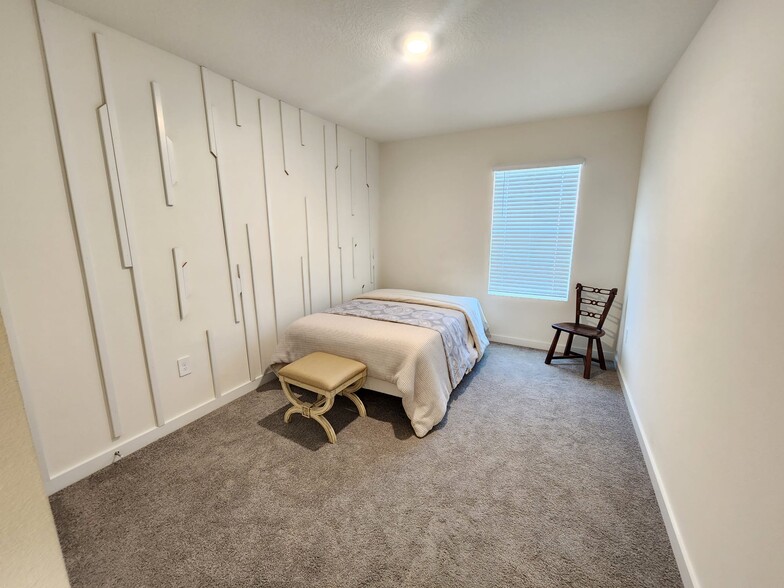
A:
{"x": 597, "y": 305}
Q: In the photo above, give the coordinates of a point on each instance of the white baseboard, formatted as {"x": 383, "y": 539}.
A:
{"x": 105, "y": 458}
{"x": 545, "y": 345}
{"x": 517, "y": 341}
{"x": 685, "y": 566}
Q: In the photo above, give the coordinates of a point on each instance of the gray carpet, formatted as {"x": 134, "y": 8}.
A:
{"x": 534, "y": 478}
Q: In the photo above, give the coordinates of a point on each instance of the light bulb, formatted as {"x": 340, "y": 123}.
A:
{"x": 417, "y": 45}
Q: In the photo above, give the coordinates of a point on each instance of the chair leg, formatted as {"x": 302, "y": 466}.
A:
{"x": 600, "y": 351}
{"x": 568, "y": 348}
{"x": 587, "y": 370}
{"x": 552, "y": 347}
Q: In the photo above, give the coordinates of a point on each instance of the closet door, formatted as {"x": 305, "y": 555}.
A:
{"x": 374, "y": 216}
{"x": 233, "y": 115}
{"x": 284, "y": 168}
{"x": 331, "y": 159}
{"x": 353, "y": 214}
{"x": 316, "y": 177}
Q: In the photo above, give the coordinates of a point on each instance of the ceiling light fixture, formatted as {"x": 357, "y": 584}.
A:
{"x": 417, "y": 45}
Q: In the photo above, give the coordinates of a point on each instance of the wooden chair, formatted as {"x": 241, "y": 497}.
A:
{"x": 586, "y": 307}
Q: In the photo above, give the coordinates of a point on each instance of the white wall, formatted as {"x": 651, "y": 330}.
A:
{"x": 29, "y": 548}
{"x": 437, "y": 201}
{"x": 702, "y": 358}
{"x": 29, "y": 551}
{"x": 158, "y": 154}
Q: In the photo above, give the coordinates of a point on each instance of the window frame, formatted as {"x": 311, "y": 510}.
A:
{"x": 526, "y": 166}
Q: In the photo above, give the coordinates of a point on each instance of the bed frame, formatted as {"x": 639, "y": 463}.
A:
{"x": 382, "y": 386}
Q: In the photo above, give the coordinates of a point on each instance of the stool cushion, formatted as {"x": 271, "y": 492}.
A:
{"x": 322, "y": 370}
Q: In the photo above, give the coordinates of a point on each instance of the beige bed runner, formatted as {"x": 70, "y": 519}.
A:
{"x": 470, "y": 307}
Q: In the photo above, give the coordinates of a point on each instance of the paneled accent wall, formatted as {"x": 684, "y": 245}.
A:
{"x": 207, "y": 217}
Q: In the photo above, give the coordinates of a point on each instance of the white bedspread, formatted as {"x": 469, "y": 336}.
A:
{"x": 412, "y": 358}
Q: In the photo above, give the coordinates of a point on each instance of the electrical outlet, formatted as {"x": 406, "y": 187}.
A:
{"x": 184, "y": 365}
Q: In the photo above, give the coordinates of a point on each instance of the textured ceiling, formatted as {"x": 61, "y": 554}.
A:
{"x": 494, "y": 62}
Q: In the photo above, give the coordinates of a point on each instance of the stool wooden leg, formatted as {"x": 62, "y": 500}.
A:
{"x": 600, "y": 351}
{"x": 290, "y": 412}
{"x": 304, "y": 408}
{"x": 349, "y": 393}
{"x": 331, "y": 437}
{"x": 313, "y": 411}
{"x": 587, "y": 370}
{"x": 552, "y": 347}
{"x": 357, "y": 402}
{"x": 296, "y": 405}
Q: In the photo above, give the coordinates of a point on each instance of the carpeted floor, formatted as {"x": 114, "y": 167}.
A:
{"x": 534, "y": 478}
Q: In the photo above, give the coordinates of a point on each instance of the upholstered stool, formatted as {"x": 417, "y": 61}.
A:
{"x": 327, "y": 375}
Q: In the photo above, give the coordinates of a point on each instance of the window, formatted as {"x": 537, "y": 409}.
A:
{"x": 534, "y": 211}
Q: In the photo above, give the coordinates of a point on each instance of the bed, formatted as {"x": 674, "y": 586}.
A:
{"x": 417, "y": 345}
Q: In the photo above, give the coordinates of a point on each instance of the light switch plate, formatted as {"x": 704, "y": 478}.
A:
{"x": 184, "y": 365}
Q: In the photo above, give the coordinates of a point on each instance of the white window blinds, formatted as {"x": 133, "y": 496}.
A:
{"x": 534, "y": 212}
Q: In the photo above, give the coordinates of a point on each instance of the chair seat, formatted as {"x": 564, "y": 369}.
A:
{"x": 582, "y": 330}
{"x": 322, "y": 370}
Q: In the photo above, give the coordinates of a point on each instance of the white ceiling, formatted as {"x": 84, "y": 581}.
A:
{"x": 495, "y": 61}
